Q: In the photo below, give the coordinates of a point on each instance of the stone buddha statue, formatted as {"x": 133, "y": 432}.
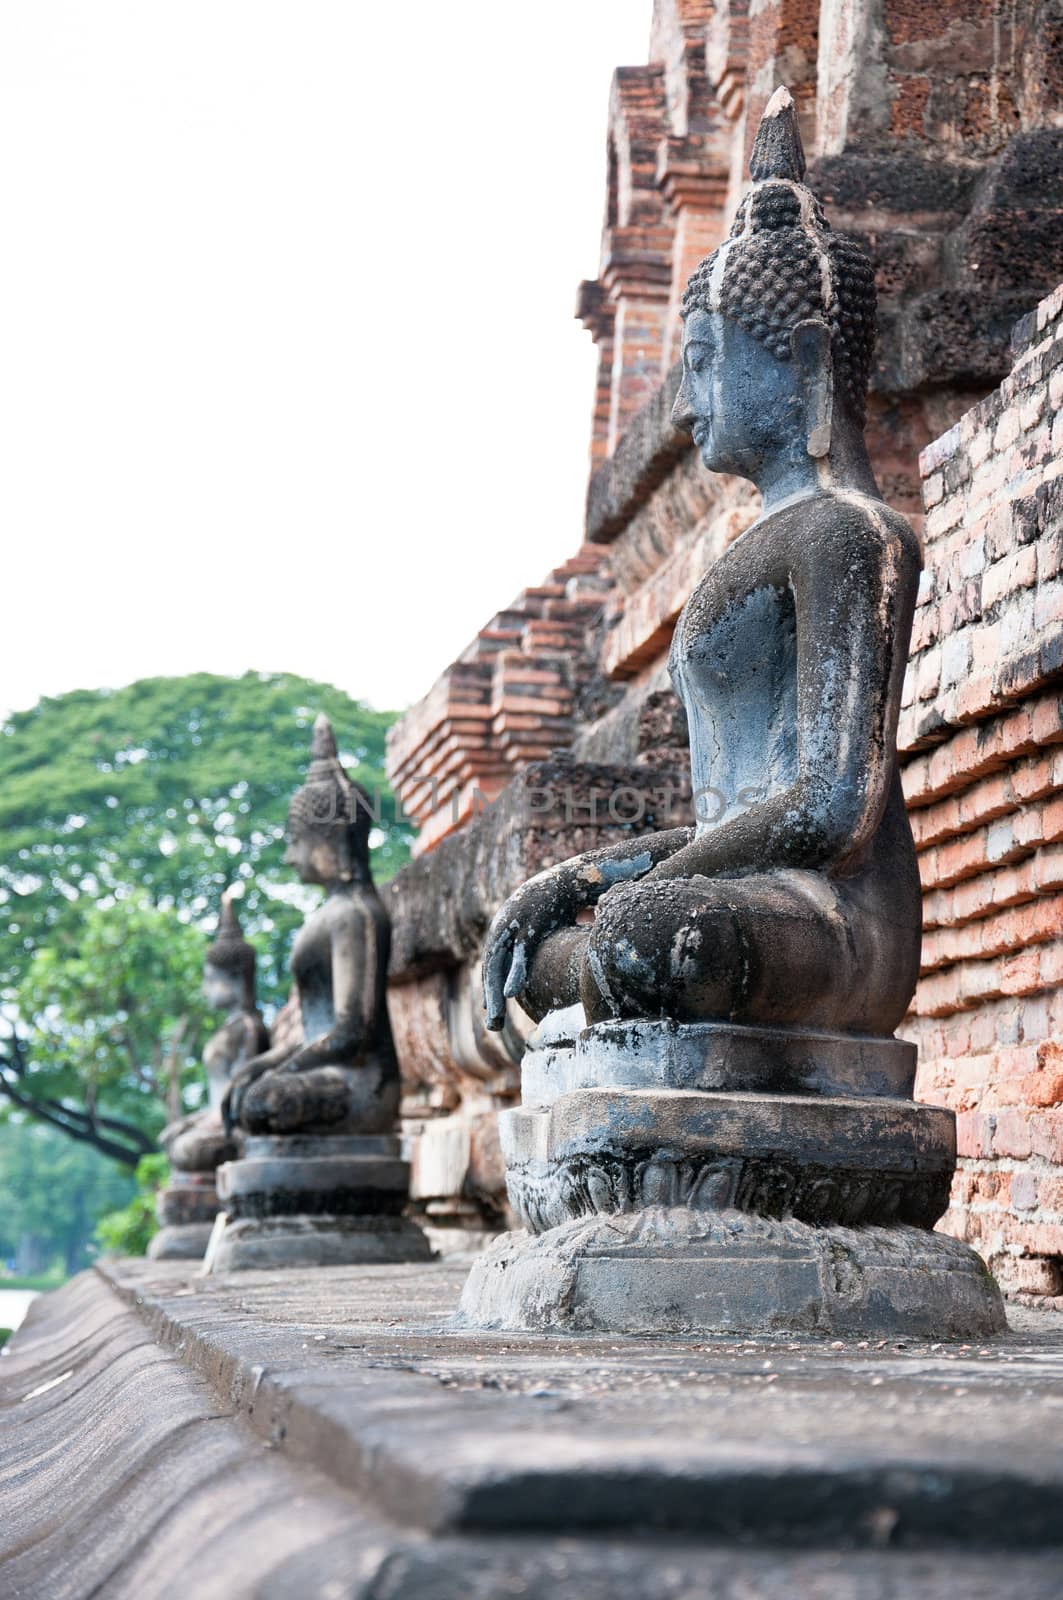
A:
{"x": 197, "y": 1145}
{"x": 343, "y": 1073}
{"x": 740, "y": 980}
{"x": 320, "y": 1179}
{"x": 795, "y": 898}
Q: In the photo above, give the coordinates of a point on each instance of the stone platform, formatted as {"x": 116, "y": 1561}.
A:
{"x": 316, "y": 1201}
{"x": 291, "y": 1434}
{"x": 712, "y": 1178}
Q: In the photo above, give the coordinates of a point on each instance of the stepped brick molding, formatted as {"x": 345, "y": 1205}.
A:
{"x": 506, "y": 701}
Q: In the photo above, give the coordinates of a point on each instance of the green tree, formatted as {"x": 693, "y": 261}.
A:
{"x": 154, "y": 796}
{"x": 53, "y": 1194}
{"x": 116, "y": 1020}
{"x": 129, "y": 1231}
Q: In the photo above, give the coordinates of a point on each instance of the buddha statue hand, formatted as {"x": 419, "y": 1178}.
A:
{"x": 552, "y": 900}
{"x": 240, "y": 1083}
{"x": 527, "y": 918}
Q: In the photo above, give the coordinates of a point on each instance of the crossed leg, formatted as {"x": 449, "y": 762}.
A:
{"x": 322, "y": 1100}
{"x": 779, "y": 949}
{"x": 294, "y": 1102}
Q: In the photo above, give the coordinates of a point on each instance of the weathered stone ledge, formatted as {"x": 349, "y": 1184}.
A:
{"x": 363, "y": 1373}
{"x": 285, "y": 1431}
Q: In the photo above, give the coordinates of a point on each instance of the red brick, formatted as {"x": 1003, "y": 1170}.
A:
{"x": 1036, "y": 1238}
{"x": 1046, "y": 1135}
{"x": 1035, "y": 1275}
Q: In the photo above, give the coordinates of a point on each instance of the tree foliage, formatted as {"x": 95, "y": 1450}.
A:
{"x": 123, "y": 816}
{"x": 129, "y": 1230}
{"x": 53, "y": 1193}
{"x": 116, "y": 1017}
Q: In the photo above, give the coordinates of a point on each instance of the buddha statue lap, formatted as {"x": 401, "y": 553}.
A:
{"x": 716, "y": 1129}
{"x": 320, "y": 1180}
{"x": 199, "y": 1144}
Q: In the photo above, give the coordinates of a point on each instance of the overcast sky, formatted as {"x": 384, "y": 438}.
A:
{"x": 289, "y": 376}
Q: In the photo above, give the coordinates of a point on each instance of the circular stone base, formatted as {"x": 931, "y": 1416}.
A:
{"x": 359, "y": 1178}
{"x": 318, "y": 1241}
{"x": 673, "y": 1270}
{"x": 185, "y": 1242}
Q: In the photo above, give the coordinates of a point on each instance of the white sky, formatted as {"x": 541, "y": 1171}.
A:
{"x": 289, "y": 376}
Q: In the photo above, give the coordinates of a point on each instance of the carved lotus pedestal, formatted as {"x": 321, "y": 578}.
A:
{"x": 316, "y": 1201}
{"x": 715, "y": 1178}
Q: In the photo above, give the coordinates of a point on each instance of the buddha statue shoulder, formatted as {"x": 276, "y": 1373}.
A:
{"x": 340, "y": 1073}
{"x": 794, "y": 901}
{"x": 200, "y": 1143}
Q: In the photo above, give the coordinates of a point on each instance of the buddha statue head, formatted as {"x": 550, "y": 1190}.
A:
{"x": 329, "y": 817}
{"x": 779, "y": 327}
{"x": 229, "y": 972}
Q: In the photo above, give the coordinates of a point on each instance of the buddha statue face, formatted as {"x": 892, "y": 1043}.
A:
{"x": 222, "y": 990}
{"x": 779, "y": 327}
{"x": 741, "y": 403}
{"x": 316, "y": 857}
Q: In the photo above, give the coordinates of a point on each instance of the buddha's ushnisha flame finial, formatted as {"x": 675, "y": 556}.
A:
{"x": 325, "y": 766}
{"x": 777, "y": 149}
{"x": 328, "y": 798}
{"x": 323, "y": 740}
{"x": 230, "y": 950}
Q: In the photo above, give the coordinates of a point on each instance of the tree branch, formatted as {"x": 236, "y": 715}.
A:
{"x": 83, "y": 1125}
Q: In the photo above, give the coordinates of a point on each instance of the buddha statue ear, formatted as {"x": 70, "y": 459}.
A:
{"x": 810, "y": 343}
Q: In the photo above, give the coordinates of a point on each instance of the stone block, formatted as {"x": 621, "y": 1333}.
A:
{"x": 715, "y": 1056}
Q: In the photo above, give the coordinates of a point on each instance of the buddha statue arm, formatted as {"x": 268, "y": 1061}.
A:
{"x": 266, "y": 1062}
{"x": 854, "y": 601}
{"x": 553, "y": 899}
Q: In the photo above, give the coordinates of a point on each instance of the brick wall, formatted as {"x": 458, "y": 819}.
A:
{"x": 982, "y": 737}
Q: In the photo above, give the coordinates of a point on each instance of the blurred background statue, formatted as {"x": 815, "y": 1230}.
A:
{"x": 197, "y": 1145}
{"x": 321, "y": 1180}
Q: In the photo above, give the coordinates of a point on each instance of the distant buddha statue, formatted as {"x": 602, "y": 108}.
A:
{"x": 320, "y": 1179}
{"x": 342, "y": 1074}
{"x": 716, "y": 1129}
{"x": 795, "y": 899}
{"x": 198, "y": 1144}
